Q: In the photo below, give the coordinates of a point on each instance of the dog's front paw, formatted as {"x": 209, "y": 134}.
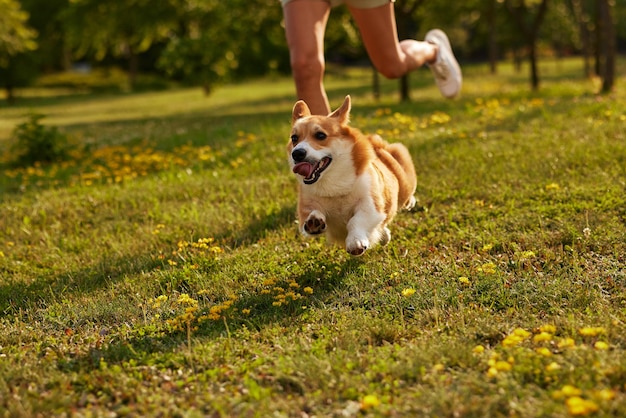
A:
{"x": 314, "y": 225}
{"x": 357, "y": 247}
{"x": 410, "y": 204}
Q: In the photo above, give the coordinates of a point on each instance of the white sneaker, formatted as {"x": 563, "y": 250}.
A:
{"x": 446, "y": 69}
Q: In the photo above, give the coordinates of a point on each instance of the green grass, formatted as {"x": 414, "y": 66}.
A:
{"x": 159, "y": 272}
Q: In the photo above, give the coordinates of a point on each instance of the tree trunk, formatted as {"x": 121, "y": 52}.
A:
{"x": 519, "y": 12}
{"x": 607, "y": 45}
{"x": 10, "y": 91}
{"x": 493, "y": 45}
{"x": 406, "y": 27}
{"x": 534, "y": 72}
{"x": 375, "y": 84}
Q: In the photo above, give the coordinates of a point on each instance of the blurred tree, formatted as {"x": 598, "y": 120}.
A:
{"x": 215, "y": 42}
{"x": 528, "y": 16}
{"x": 407, "y": 24}
{"x": 16, "y": 38}
{"x": 606, "y": 44}
{"x": 44, "y": 17}
{"x": 120, "y": 28}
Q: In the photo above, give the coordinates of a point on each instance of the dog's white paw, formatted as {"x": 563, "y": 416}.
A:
{"x": 411, "y": 203}
{"x": 315, "y": 224}
{"x": 385, "y": 236}
{"x": 357, "y": 246}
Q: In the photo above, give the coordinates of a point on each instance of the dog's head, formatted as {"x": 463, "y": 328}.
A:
{"x": 317, "y": 141}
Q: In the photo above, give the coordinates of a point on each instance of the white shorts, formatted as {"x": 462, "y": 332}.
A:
{"x": 357, "y": 4}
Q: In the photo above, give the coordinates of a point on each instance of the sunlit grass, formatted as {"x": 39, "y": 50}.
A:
{"x": 159, "y": 270}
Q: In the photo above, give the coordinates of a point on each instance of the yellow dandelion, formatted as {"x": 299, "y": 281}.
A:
{"x": 566, "y": 343}
{"x": 601, "y": 345}
{"x": 521, "y": 332}
{"x": 492, "y": 372}
{"x": 552, "y": 367}
{"x": 604, "y": 394}
{"x": 548, "y": 328}
{"x": 438, "y": 367}
{"x": 488, "y": 268}
{"x": 308, "y": 290}
{"x": 464, "y": 280}
{"x": 579, "y": 406}
{"x": 542, "y": 336}
{"x": 245, "y": 311}
{"x": 369, "y": 401}
{"x": 503, "y": 366}
{"x": 408, "y": 292}
{"x": 591, "y": 331}
{"x": 479, "y": 349}
{"x": 543, "y": 351}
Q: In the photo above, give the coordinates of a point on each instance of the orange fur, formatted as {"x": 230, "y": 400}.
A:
{"x": 351, "y": 185}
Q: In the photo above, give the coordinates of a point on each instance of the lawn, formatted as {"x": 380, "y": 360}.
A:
{"x": 158, "y": 270}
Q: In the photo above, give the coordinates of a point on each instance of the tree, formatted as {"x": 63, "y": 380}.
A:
{"x": 606, "y": 44}
{"x": 16, "y": 38}
{"x": 528, "y": 24}
{"x": 119, "y": 28}
{"x": 407, "y": 27}
{"x": 214, "y": 38}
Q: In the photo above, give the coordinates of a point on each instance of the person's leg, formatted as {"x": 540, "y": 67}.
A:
{"x": 392, "y": 58}
{"x": 305, "y": 25}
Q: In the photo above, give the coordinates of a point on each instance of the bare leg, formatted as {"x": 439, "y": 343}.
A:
{"x": 305, "y": 25}
{"x": 379, "y": 33}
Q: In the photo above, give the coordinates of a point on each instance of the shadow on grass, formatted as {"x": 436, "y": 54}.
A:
{"x": 144, "y": 343}
{"x": 50, "y": 288}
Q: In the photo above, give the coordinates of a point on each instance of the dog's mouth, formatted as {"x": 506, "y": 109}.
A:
{"x": 311, "y": 172}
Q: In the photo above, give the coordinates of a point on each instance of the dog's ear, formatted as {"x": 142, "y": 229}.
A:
{"x": 343, "y": 113}
{"x": 300, "y": 110}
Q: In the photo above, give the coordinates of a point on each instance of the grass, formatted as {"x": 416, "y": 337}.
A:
{"x": 159, "y": 272}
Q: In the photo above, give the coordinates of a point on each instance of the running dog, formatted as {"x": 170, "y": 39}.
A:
{"x": 350, "y": 185}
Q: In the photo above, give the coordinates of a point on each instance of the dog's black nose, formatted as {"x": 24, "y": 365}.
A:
{"x": 298, "y": 155}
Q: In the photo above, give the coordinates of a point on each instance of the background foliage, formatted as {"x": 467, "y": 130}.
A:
{"x": 212, "y": 42}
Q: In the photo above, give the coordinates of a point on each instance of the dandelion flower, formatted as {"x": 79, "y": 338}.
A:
{"x": 566, "y": 342}
{"x": 479, "y": 349}
{"x": 552, "y": 367}
{"x": 601, "y": 345}
{"x": 543, "y": 336}
{"x": 464, "y": 280}
{"x": 503, "y": 366}
{"x": 604, "y": 394}
{"x": 408, "y": 292}
{"x": 548, "y": 328}
{"x": 591, "y": 331}
{"x": 438, "y": 367}
{"x": 308, "y": 290}
{"x": 579, "y": 406}
{"x": 543, "y": 351}
{"x": 369, "y": 401}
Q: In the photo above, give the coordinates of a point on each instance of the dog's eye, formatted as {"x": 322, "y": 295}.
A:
{"x": 294, "y": 138}
{"x": 320, "y": 135}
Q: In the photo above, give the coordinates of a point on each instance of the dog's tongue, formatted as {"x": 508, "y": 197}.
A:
{"x": 304, "y": 169}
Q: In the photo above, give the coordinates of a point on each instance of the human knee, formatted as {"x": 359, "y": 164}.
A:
{"x": 307, "y": 67}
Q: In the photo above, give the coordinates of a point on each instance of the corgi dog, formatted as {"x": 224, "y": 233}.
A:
{"x": 350, "y": 185}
